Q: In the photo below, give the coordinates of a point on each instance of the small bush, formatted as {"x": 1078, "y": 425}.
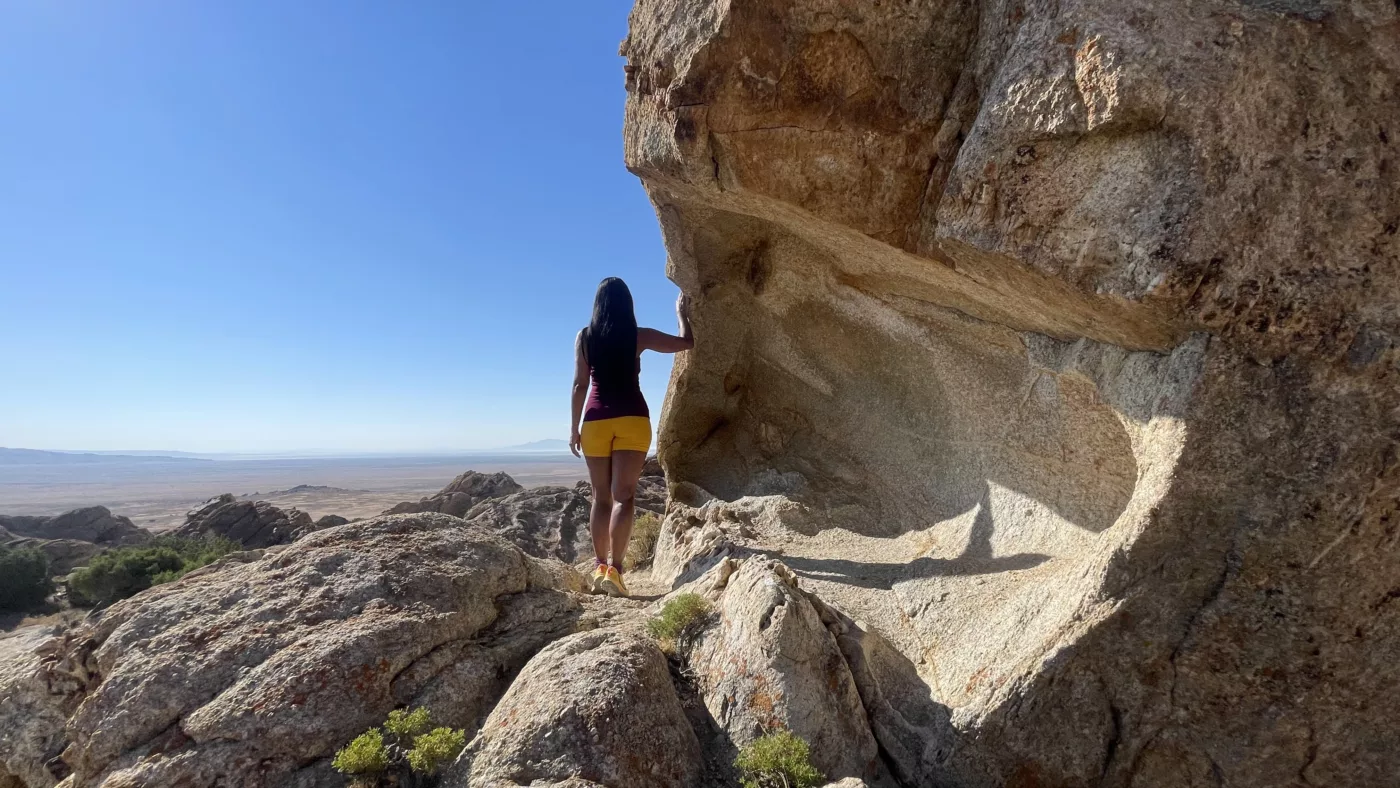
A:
{"x": 414, "y": 749}
{"x": 778, "y": 760}
{"x": 406, "y": 724}
{"x": 645, "y": 530}
{"x": 681, "y": 618}
{"x": 435, "y": 748}
{"x": 125, "y": 571}
{"x": 364, "y": 756}
{"x": 24, "y": 579}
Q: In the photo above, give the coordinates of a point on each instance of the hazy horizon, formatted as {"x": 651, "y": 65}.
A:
{"x": 542, "y": 445}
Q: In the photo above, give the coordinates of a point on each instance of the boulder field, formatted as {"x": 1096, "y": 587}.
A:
{"x": 257, "y": 669}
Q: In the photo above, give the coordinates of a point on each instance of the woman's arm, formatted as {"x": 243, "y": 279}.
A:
{"x": 660, "y": 341}
{"x": 580, "y": 393}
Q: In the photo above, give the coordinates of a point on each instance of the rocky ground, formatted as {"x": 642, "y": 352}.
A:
{"x": 255, "y": 670}
{"x": 544, "y": 520}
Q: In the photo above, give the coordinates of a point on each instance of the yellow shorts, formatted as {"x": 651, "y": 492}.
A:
{"x": 625, "y": 433}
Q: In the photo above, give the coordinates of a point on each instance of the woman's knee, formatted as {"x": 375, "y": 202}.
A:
{"x": 602, "y": 499}
{"x": 623, "y": 497}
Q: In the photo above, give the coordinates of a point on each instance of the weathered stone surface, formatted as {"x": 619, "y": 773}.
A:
{"x": 598, "y": 706}
{"x": 700, "y": 530}
{"x": 94, "y": 524}
{"x": 545, "y": 521}
{"x": 462, "y": 681}
{"x": 73, "y": 538}
{"x": 330, "y": 521}
{"x": 769, "y": 663}
{"x": 465, "y": 491}
{"x": 252, "y": 524}
{"x": 44, "y": 671}
{"x": 550, "y": 521}
{"x": 64, "y": 554}
{"x": 572, "y": 782}
{"x": 652, "y": 467}
{"x": 31, "y": 713}
{"x": 650, "y": 494}
{"x": 911, "y": 726}
{"x": 257, "y": 672}
{"x": 1077, "y": 319}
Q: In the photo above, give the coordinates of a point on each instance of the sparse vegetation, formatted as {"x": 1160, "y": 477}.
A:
{"x": 412, "y": 754}
{"x": 24, "y": 579}
{"x": 433, "y": 749}
{"x": 681, "y": 618}
{"x": 779, "y": 759}
{"x": 406, "y": 723}
{"x": 645, "y": 530}
{"x": 120, "y": 573}
{"x": 365, "y": 758}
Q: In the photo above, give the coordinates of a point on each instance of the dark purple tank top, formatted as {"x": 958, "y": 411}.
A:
{"x": 615, "y": 395}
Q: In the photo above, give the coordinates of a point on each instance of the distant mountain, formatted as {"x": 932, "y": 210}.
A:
{"x": 37, "y": 457}
{"x": 546, "y": 445}
{"x": 300, "y": 489}
{"x": 142, "y": 453}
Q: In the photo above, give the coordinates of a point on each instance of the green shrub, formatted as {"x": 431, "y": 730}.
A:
{"x": 432, "y": 750}
{"x": 366, "y": 755}
{"x": 645, "y": 530}
{"x": 120, "y": 573}
{"x": 413, "y": 750}
{"x": 680, "y": 619}
{"x": 406, "y": 724}
{"x": 778, "y": 760}
{"x": 24, "y": 579}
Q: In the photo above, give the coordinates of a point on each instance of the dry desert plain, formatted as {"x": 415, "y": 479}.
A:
{"x": 156, "y": 493}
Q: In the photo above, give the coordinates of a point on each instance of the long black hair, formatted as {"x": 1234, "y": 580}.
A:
{"x": 610, "y": 341}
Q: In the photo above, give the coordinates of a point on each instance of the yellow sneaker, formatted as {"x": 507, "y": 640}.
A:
{"x": 600, "y": 579}
{"x": 612, "y": 583}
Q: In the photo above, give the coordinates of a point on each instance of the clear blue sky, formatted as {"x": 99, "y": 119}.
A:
{"x": 325, "y": 224}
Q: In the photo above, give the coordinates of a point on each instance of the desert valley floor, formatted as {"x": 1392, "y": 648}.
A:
{"x": 157, "y": 494}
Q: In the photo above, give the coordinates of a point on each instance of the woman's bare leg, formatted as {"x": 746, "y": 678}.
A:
{"x": 600, "y": 475}
{"x": 626, "y": 470}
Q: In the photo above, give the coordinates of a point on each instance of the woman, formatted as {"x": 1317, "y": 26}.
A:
{"x": 616, "y": 430}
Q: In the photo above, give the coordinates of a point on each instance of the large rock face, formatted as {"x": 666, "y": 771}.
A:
{"x": 770, "y": 663}
{"x": 253, "y": 524}
{"x": 543, "y": 521}
{"x": 71, "y": 539}
{"x": 461, "y": 494}
{"x": 64, "y": 555}
{"x": 94, "y": 524}
{"x": 598, "y": 706}
{"x": 1086, "y": 308}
